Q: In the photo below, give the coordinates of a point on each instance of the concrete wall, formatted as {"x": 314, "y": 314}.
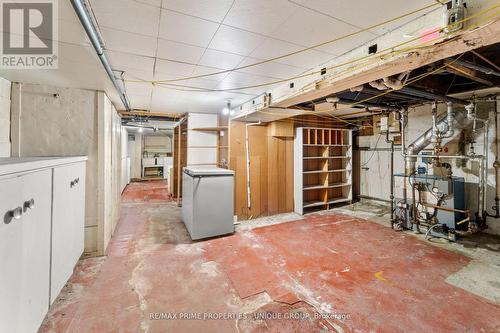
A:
{"x": 375, "y": 165}
{"x": 5, "y": 87}
{"x": 54, "y": 121}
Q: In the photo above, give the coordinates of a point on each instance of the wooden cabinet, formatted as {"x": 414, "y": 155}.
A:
{"x": 322, "y": 168}
{"x": 30, "y": 223}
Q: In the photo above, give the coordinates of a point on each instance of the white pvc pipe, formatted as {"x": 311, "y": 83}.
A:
{"x": 248, "y": 160}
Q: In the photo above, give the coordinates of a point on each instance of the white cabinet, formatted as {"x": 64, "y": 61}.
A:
{"x": 10, "y": 254}
{"x": 31, "y": 229}
{"x": 24, "y": 251}
{"x": 67, "y": 223}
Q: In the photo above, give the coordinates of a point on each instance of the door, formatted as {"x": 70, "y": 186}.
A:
{"x": 11, "y": 254}
{"x": 35, "y": 263}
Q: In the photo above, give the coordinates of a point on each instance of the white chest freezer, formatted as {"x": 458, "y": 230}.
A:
{"x": 207, "y": 201}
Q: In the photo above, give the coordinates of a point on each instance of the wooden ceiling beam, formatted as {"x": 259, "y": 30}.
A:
{"x": 467, "y": 73}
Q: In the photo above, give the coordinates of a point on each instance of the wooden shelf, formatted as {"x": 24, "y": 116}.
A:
{"x": 314, "y": 203}
{"x": 320, "y": 145}
{"x": 322, "y": 168}
{"x": 324, "y": 171}
{"x": 332, "y": 185}
{"x": 338, "y": 200}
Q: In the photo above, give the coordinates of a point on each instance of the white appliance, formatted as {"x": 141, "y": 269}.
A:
{"x": 207, "y": 201}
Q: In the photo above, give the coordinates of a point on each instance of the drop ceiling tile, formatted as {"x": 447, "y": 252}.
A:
{"x": 139, "y": 88}
{"x": 273, "y": 69}
{"x": 173, "y": 69}
{"x": 271, "y": 48}
{"x": 127, "y": 42}
{"x": 240, "y": 79}
{"x": 155, "y": 3}
{"x": 67, "y": 12}
{"x": 178, "y": 51}
{"x": 137, "y": 75}
{"x": 213, "y": 58}
{"x": 309, "y": 28}
{"x": 307, "y": 59}
{"x": 78, "y": 54}
{"x": 123, "y": 61}
{"x": 367, "y": 13}
{"x": 127, "y": 15}
{"x": 345, "y": 45}
{"x": 260, "y": 16}
{"x": 203, "y": 70}
{"x": 214, "y": 10}
{"x": 235, "y": 40}
{"x": 186, "y": 29}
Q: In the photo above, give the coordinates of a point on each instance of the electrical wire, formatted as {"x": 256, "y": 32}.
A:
{"x": 373, "y": 153}
{"x": 357, "y": 32}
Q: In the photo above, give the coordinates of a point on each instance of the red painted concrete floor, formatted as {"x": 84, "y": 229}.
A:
{"x": 326, "y": 273}
{"x": 150, "y": 191}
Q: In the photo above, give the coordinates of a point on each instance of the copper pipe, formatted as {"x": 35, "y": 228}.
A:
{"x": 448, "y": 209}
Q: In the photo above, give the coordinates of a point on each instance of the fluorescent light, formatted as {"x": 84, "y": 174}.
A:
{"x": 225, "y": 111}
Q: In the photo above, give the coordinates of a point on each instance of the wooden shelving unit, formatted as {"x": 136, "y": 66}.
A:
{"x": 322, "y": 168}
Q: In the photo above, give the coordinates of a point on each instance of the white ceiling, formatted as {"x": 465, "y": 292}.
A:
{"x": 171, "y": 39}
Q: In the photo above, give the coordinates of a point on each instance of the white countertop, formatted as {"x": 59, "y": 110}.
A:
{"x": 10, "y": 165}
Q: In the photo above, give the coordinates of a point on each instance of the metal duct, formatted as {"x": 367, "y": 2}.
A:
{"x": 430, "y": 96}
{"x": 426, "y": 138}
{"x": 95, "y": 39}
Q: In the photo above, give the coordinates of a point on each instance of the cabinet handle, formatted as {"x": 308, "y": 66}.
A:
{"x": 29, "y": 204}
{"x": 13, "y": 214}
{"x": 74, "y": 182}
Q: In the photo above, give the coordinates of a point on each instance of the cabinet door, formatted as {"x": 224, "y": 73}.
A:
{"x": 67, "y": 224}
{"x": 35, "y": 264}
{"x": 78, "y": 204}
{"x": 11, "y": 254}
{"x": 62, "y": 230}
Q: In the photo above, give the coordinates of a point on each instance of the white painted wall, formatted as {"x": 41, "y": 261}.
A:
{"x": 125, "y": 160}
{"x": 5, "y": 87}
{"x": 202, "y": 145}
{"x": 54, "y": 121}
{"x": 374, "y": 182}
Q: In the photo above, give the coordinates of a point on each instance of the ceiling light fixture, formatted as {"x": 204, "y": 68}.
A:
{"x": 227, "y": 110}
{"x": 140, "y": 130}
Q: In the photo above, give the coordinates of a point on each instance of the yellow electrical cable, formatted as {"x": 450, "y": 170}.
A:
{"x": 303, "y": 50}
{"x": 374, "y": 57}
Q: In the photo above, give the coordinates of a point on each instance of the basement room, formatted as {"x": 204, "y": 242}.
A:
{"x": 249, "y": 166}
